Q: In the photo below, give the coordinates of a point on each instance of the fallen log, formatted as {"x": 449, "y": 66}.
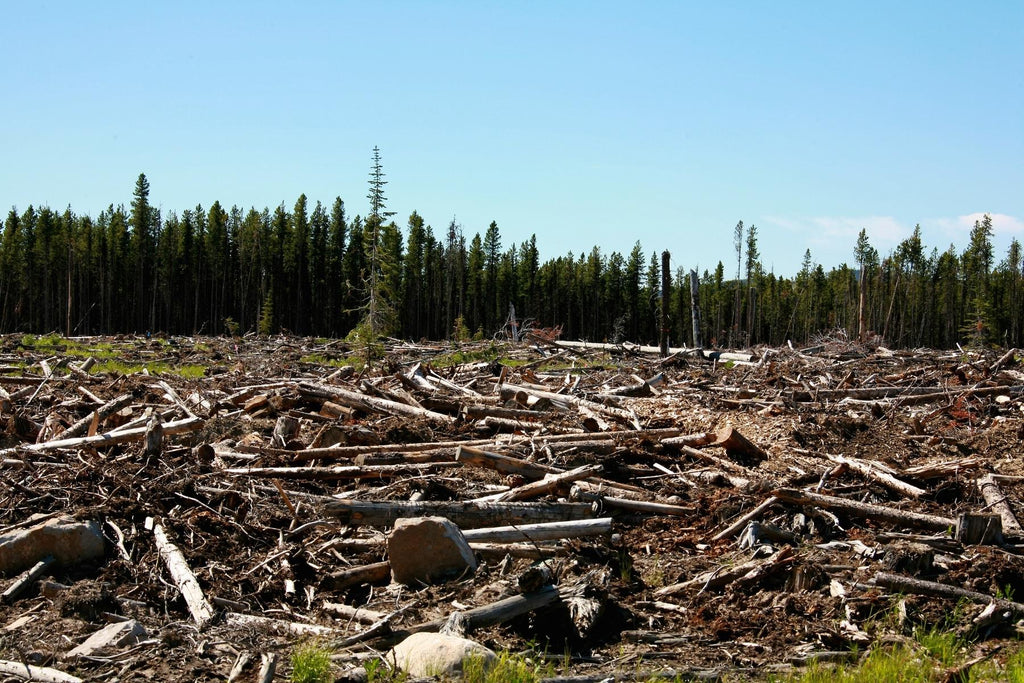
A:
{"x": 280, "y": 626}
{"x": 997, "y": 503}
{"x": 341, "y": 471}
{"x": 550, "y": 531}
{"x": 107, "y": 439}
{"x": 883, "y": 477}
{"x": 99, "y": 415}
{"x": 377, "y": 572}
{"x": 200, "y": 609}
{"x": 630, "y": 504}
{"x": 550, "y": 483}
{"x": 30, "y": 672}
{"x": 868, "y": 510}
{"x": 464, "y": 514}
{"x": 626, "y": 416}
{"x": 742, "y": 573}
{"x": 495, "y": 613}
{"x": 906, "y": 584}
{"x": 741, "y": 521}
{"x": 507, "y": 464}
{"x": 359, "y": 614}
{"x": 371, "y": 404}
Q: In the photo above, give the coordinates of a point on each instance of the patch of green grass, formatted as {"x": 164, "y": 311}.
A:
{"x": 945, "y": 647}
{"x": 507, "y": 668}
{"x": 112, "y": 366}
{"x": 311, "y": 663}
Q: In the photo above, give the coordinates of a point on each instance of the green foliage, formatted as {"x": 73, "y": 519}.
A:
{"x": 365, "y": 339}
{"x": 507, "y": 668}
{"x": 311, "y": 663}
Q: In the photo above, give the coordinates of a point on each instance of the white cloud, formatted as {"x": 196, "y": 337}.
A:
{"x": 882, "y": 231}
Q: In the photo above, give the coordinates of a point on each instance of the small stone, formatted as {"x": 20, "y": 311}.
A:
{"x": 437, "y": 654}
{"x": 428, "y": 549}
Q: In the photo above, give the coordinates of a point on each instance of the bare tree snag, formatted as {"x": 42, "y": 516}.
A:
{"x": 177, "y": 565}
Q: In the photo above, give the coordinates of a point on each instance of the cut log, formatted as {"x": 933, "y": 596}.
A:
{"x": 507, "y": 464}
{"x": 358, "y": 614}
{"x": 626, "y": 416}
{"x": 906, "y": 584}
{"x": 550, "y": 483}
{"x": 200, "y": 609}
{"x": 465, "y": 514}
{"x": 997, "y": 503}
{"x": 974, "y": 529}
{"x": 107, "y": 439}
{"x": 857, "y": 509}
{"x": 735, "y": 444}
{"x": 29, "y": 672}
{"x": 551, "y": 531}
{"x": 884, "y": 478}
{"x": 99, "y": 415}
{"x": 370, "y": 403}
{"x": 26, "y": 579}
{"x": 494, "y": 613}
{"x": 742, "y": 521}
{"x": 378, "y": 572}
{"x": 342, "y": 471}
{"x": 630, "y": 504}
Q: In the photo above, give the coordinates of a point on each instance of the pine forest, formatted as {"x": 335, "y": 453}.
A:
{"x": 313, "y": 269}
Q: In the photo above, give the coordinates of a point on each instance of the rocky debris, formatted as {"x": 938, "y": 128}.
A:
{"x": 61, "y": 538}
{"x": 428, "y": 549}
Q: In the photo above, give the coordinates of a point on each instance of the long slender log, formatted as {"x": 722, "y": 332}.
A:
{"x": 631, "y": 505}
{"x": 996, "y": 502}
{"x": 370, "y": 403}
{"x": 464, "y": 514}
{"x": 494, "y": 613}
{"x": 884, "y": 478}
{"x": 618, "y": 413}
{"x": 724, "y": 463}
{"x": 879, "y": 512}
{"x": 723, "y": 576}
{"x": 29, "y": 672}
{"x": 279, "y": 625}
{"x": 907, "y": 395}
{"x": 742, "y": 520}
{"x": 550, "y": 482}
{"x": 177, "y": 565}
{"x": 341, "y": 471}
{"x": 541, "y": 532}
{"x": 378, "y": 572}
{"x": 359, "y": 614}
{"x": 507, "y": 464}
{"x": 107, "y": 439}
{"x": 906, "y": 584}
{"x": 100, "y": 414}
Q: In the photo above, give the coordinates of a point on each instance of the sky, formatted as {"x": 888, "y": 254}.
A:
{"x": 586, "y": 123}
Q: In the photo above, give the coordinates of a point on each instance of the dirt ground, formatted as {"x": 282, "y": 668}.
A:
{"x": 658, "y": 596}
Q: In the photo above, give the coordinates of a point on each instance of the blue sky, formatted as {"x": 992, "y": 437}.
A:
{"x": 586, "y": 123}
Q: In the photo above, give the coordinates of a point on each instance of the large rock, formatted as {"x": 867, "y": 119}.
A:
{"x": 67, "y": 540}
{"x": 428, "y": 549}
{"x": 437, "y": 654}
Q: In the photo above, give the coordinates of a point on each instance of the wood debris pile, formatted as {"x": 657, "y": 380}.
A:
{"x": 700, "y": 515}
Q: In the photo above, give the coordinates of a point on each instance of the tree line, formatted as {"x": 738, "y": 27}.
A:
{"x": 316, "y": 270}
